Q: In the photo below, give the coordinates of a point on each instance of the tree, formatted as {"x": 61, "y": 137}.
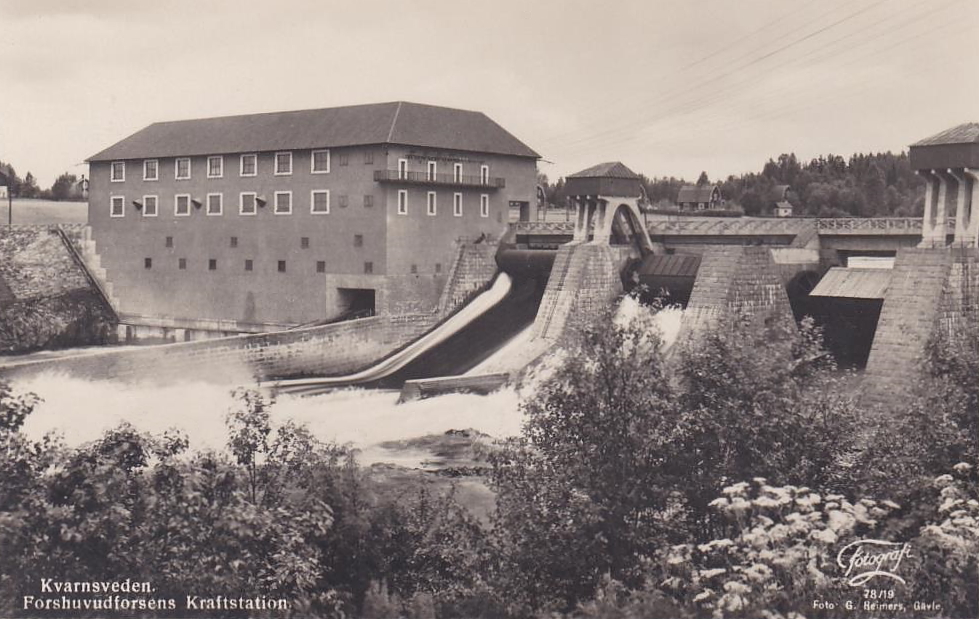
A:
{"x": 28, "y": 188}
{"x": 583, "y": 492}
{"x": 64, "y": 187}
{"x": 703, "y": 179}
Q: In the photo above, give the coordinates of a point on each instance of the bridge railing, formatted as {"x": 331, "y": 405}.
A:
{"x": 741, "y": 226}
{"x": 870, "y": 223}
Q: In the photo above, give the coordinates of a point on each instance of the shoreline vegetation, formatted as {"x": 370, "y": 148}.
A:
{"x": 721, "y": 481}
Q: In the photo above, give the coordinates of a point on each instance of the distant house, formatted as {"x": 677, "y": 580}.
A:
{"x": 780, "y": 196}
{"x": 80, "y": 190}
{"x": 699, "y": 198}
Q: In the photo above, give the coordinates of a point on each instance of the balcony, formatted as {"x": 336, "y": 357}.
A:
{"x": 442, "y": 180}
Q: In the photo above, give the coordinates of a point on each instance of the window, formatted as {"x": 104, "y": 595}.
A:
{"x": 320, "y": 162}
{"x": 432, "y": 169}
{"x": 215, "y": 203}
{"x": 182, "y": 264}
{"x": 248, "y": 165}
{"x": 117, "y": 173}
{"x": 249, "y": 265}
{"x": 368, "y": 157}
{"x": 282, "y": 266}
{"x": 246, "y": 204}
{"x": 117, "y": 206}
{"x": 358, "y": 240}
{"x": 168, "y": 242}
{"x": 368, "y": 267}
{"x": 283, "y": 164}
{"x": 343, "y": 159}
{"x": 147, "y": 263}
{"x": 402, "y": 202}
{"x": 319, "y": 202}
{"x": 457, "y": 172}
{"x": 438, "y": 267}
{"x": 343, "y": 201}
{"x": 484, "y": 175}
{"x": 432, "y": 206}
{"x": 181, "y": 205}
{"x": 283, "y": 202}
{"x": 368, "y": 201}
{"x": 304, "y": 242}
{"x": 414, "y": 268}
{"x": 484, "y": 205}
{"x": 149, "y": 206}
{"x": 402, "y": 168}
{"x": 212, "y": 264}
{"x": 181, "y": 169}
{"x": 151, "y": 170}
{"x": 321, "y": 266}
{"x": 457, "y": 204}
{"x": 234, "y": 242}
{"x": 215, "y": 166}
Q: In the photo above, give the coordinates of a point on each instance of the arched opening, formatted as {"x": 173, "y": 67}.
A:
{"x": 627, "y": 229}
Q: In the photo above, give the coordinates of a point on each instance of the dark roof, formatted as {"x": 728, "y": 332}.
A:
{"x": 3, "y": 179}
{"x": 399, "y": 122}
{"x": 693, "y": 193}
{"x": 675, "y": 265}
{"x": 610, "y": 169}
{"x": 967, "y": 133}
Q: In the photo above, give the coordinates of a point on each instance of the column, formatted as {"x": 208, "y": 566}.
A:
{"x": 971, "y": 235}
{"x": 961, "y": 206}
{"x": 928, "y": 219}
{"x": 579, "y": 217}
{"x": 941, "y": 209}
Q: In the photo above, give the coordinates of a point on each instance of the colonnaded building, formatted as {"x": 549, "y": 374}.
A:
{"x": 265, "y": 221}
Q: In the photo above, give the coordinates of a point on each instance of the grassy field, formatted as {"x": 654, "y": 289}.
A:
{"x": 45, "y": 212}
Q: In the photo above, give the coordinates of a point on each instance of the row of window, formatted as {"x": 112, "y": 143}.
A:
{"x": 319, "y": 163}
{"x": 212, "y": 265}
{"x": 247, "y": 166}
{"x": 431, "y": 203}
{"x": 303, "y": 241}
{"x": 249, "y": 202}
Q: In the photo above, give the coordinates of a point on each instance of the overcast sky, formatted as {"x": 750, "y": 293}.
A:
{"x": 667, "y": 87}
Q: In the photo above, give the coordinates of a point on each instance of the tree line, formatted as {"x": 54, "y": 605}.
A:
{"x": 65, "y": 187}
{"x": 863, "y": 185}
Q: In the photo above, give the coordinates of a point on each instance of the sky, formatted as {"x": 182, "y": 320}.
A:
{"x": 670, "y": 88}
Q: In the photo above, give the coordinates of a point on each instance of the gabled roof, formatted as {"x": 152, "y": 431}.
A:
{"x": 610, "y": 169}
{"x": 967, "y": 133}
{"x": 693, "y": 193}
{"x": 399, "y": 122}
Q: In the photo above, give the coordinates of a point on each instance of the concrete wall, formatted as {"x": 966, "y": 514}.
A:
{"x": 928, "y": 290}
{"x": 332, "y": 349}
{"x": 736, "y": 279}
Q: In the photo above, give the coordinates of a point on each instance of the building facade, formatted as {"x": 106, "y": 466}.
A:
{"x": 265, "y": 221}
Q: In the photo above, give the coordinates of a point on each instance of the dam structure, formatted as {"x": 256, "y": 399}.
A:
{"x": 532, "y": 283}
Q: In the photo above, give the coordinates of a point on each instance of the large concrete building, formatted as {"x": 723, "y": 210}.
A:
{"x": 264, "y": 221}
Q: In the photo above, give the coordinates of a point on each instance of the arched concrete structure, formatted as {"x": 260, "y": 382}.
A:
{"x": 595, "y": 215}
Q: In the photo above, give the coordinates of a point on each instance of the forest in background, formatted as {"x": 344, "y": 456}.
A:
{"x": 865, "y": 185}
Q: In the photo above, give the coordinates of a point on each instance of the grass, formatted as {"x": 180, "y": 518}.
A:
{"x": 44, "y": 212}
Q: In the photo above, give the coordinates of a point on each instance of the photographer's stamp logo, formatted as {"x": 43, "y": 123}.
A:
{"x": 869, "y": 558}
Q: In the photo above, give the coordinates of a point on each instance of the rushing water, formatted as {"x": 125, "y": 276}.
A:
{"x": 82, "y": 410}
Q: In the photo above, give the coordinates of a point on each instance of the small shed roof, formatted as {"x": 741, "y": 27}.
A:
{"x": 609, "y": 169}
{"x": 841, "y": 282}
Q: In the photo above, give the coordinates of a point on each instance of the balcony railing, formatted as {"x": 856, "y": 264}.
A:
{"x": 448, "y": 180}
